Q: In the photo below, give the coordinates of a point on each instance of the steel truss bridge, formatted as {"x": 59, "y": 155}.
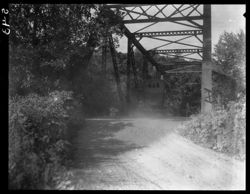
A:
{"x": 185, "y": 34}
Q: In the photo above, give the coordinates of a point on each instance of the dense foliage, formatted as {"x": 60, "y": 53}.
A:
{"x": 222, "y": 130}
{"x": 51, "y": 77}
{"x": 230, "y": 54}
{"x": 54, "y": 43}
{"x": 37, "y": 138}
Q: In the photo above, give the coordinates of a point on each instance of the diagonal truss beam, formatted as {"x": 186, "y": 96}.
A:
{"x": 198, "y": 39}
{"x": 161, "y": 10}
{"x": 192, "y": 22}
{"x": 194, "y": 9}
{"x": 127, "y": 13}
{"x": 171, "y": 42}
{"x": 145, "y": 27}
{"x": 144, "y": 11}
{"x": 184, "y": 24}
{"x": 176, "y": 42}
{"x": 129, "y": 35}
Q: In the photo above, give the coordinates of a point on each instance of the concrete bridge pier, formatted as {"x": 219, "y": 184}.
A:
{"x": 206, "y": 77}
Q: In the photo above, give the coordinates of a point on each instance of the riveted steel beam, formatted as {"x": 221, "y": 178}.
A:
{"x": 197, "y": 63}
{"x": 177, "y": 51}
{"x": 169, "y": 33}
{"x": 168, "y": 19}
{"x": 125, "y": 5}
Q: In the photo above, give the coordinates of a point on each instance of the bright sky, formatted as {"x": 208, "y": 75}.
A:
{"x": 225, "y": 17}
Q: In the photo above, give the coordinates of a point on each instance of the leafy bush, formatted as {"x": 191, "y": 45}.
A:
{"x": 222, "y": 130}
{"x": 37, "y": 143}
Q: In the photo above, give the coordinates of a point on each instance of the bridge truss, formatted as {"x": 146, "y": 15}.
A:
{"x": 185, "y": 34}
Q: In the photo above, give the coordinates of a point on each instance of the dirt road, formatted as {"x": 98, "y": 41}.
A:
{"x": 147, "y": 154}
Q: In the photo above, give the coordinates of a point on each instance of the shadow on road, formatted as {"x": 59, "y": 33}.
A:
{"x": 95, "y": 143}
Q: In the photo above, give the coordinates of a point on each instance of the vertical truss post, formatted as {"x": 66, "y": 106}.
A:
{"x": 130, "y": 49}
{"x": 104, "y": 56}
{"x": 115, "y": 66}
{"x": 137, "y": 93}
{"x": 206, "y": 78}
{"x": 134, "y": 68}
